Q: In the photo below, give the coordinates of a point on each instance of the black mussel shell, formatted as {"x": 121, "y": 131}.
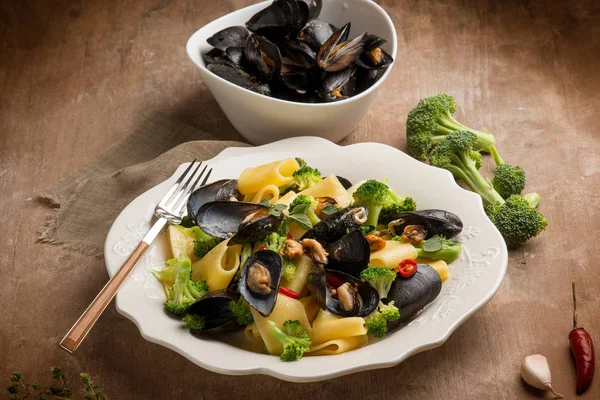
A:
{"x": 435, "y": 222}
{"x": 337, "y": 54}
{"x": 272, "y": 262}
{"x": 214, "y": 308}
{"x": 235, "y": 55}
{"x": 201, "y": 196}
{"x": 315, "y": 33}
{"x": 337, "y": 225}
{"x": 303, "y": 15}
{"x": 334, "y": 84}
{"x": 229, "y": 191}
{"x": 256, "y": 230}
{"x": 233, "y": 74}
{"x": 374, "y": 59}
{"x": 271, "y": 19}
{"x": 371, "y": 42}
{"x": 297, "y": 80}
{"x": 263, "y": 56}
{"x": 300, "y": 54}
{"x": 234, "y": 36}
{"x": 317, "y": 286}
{"x": 223, "y": 218}
{"x": 314, "y": 7}
{"x": 412, "y": 294}
{"x": 345, "y": 182}
{"x": 350, "y": 254}
{"x": 365, "y": 78}
{"x": 216, "y": 56}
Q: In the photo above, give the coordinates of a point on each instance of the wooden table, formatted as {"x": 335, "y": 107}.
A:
{"x": 73, "y": 75}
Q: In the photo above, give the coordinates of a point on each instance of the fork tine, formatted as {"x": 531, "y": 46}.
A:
{"x": 173, "y": 188}
{"x": 207, "y": 176}
{"x": 181, "y": 190}
{"x": 186, "y": 193}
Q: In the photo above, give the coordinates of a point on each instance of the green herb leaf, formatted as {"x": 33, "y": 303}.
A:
{"x": 265, "y": 203}
{"x": 433, "y": 244}
{"x": 280, "y": 207}
{"x": 302, "y": 220}
{"x": 299, "y": 209}
{"x": 329, "y": 209}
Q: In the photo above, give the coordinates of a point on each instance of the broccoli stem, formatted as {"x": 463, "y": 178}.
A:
{"x": 373, "y": 215}
{"x": 497, "y": 159}
{"x": 533, "y": 199}
{"x": 448, "y": 124}
{"x": 468, "y": 172}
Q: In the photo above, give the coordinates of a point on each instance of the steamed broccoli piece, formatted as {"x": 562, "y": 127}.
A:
{"x": 274, "y": 241}
{"x": 305, "y": 177}
{"x": 241, "y": 311}
{"x": 381, "y": 279}
{"x": 204, "y": 242}
{"x": 308, "y": 204}
{"x": 374, "y": 195}
{"x": 184, "y": 291}
{"x": 301, "y": 162}
{"x": 295, "y": 340}
{"x": 169, "y": 272}
{"x": 508, "y": 179}
{"x": 394, "y": 206}
{"x": 448, "y": 250}
{"x": 193, "y": 322}
{"x": 516, "y": 219}
{"x": 431, "y": 120}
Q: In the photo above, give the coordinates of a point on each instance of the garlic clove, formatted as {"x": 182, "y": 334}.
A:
{"x": 536, "y": 372}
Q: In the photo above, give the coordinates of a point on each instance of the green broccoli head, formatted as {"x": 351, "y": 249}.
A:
{"x": 431, "y": 120}
{"x": 516, "y": 220}
{"x": 508, "y": 179}
{"x": 194, "y": 322}
{"x": 305, "y": 205}
{"x": 374, "y": 195}
{"x": 377, "y": 322}
{"x": 388, "y": 212}
{"x": 204, "y": 242}
{"x": 306, "y": 177}
{"x": 295, "y": 340}
{"x": 381, "y": 278}
{"x": 389, "y": 311}
{"x": 241, "y": 311}
{"x": 184, "y": 291}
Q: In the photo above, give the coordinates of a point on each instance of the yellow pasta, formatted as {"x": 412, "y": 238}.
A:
{"x": 285, "y": 308}
{"x": 310, "y": 307}
{"x": 439, "y": 265}
{"x": 330, "y": 187}
{"x": 278, "y": 173}
{"x": 287, "y": 198}
{"x": 303, "y": 266}
{"x": 391, "y": 255}
{"x": 251, "y": 333}
{"x": 218, "y": 266}
{"x": 338, "y": 346}
{"x": 328, "y": 326}
{"x": 269, "y": 192}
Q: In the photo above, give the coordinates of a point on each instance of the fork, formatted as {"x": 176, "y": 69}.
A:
{"x": 169, "y": 210}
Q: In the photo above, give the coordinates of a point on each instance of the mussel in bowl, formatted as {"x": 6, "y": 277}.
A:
{"x": 213, "y": 309}
{"x": 259, "y": 280}
{"x": 342, "y": 294}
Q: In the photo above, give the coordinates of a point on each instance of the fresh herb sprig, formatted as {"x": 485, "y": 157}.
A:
{"x": 19, "y": 390}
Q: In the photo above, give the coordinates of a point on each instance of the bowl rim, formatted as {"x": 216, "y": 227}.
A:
{"x": 393, "y": 40}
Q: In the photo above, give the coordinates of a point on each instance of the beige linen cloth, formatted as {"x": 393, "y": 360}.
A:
{"x": 89, "y": 200}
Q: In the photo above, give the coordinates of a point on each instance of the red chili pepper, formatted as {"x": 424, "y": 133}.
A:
{"x": 407, "y": 268}
{"x": 289, "y": 292}
{"x": 334, "y": 282}
{"x": 582, "y": 348}
{"x": 289, "y": 236}
{"x": 261, "y": 248}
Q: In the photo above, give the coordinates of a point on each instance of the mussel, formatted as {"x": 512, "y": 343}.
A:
{"x": 337, "y": 225}
{"x": 337, "y": 53}
{"x": 413, "y": 294}
{"x": 342, "y": 294}
{"x": 238, "y": 76}
{"x": 350, "y": 254}
{"x": 335, "y": 85}
{"x": 314, "y": 7}
{"x": 201, "y": 196}
{"x": 279, "y": 20}
{"x": 345, "y": 182}
{"x": 435, "y": 222}
{"x": 373, "y": 56}
{"x": 234, "y": 36}
{"x": 238, "y": 220}
{"x": 259, "y": 280}
{"x": 214, "y": 309}
{"x": 229, "y": 191}
{"x": 315, "y": 33}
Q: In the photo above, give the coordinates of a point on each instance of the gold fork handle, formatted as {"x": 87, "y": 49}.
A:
{"x": 89, "y": 317}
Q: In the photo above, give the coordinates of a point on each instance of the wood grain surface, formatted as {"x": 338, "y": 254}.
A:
{"x": 74, "y": 74}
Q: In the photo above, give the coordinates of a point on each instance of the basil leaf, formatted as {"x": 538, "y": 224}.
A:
{"x": 299, "y": 209}
{"x": 265, "y": 203}
{"x": 329, "y": 209}
{"x": 302, "y": 220}
{"x": 433, "y": 244}
{"x": 274, "y": 212}
{"x": 284, "y": 228}
{"x": 280, "y": 207}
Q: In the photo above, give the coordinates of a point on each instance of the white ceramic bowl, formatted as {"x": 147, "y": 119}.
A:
{"x": 473, "y": 280}
{"x": 261, "y": 119}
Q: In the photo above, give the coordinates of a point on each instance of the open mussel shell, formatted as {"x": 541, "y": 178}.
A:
{"x": 264, "y": 265}
{"x": 435, "y": 222}
{"x": 337, "y": 225}
{"x": 214, "y": 308}
{"x": 350, "y": 254}
{"x": 256, "y": 230}
{"x": 367, "y": 297}
{"x": 374, "y": 59}
{"x": 223, "y": 218}
{"x": 337, "y": 53}
{"x": 413, "y": 294}
{"x": 263, "y": 56}
{"x": 314, "y": 7}
{"x": 234, "y": 36}
{"x": 235, "y": 55}
{"x": 345, "y": 182}
{"x": 315, "y": 33}
{"x": 201, "y": 196}
{"x": 299, "y": 54}
{"x": 334, "y": 85}
{"x": 229, "y": 191}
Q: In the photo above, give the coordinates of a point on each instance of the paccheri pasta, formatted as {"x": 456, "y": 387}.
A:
{"x": 302, "y": 265}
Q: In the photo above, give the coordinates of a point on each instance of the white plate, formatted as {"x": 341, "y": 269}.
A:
{"x": 474, "y": 278}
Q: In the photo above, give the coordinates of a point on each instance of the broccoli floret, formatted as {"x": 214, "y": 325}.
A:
{"x": 274, "y": 241}
{"x": 516, "y": 220}
{"x": 431, "y": 120}
{"x": 301, "y": 162}
{"x": 169, "y": 272}
{"x": 381, "y": 279}
{"x": 204, "y": 242}
{"x": 305, "y": 177}
{"x": 508, "y": 179}
{"x": 397, "y": 205}
{"x": 439, "y": 248}
{"x": 186, "y": 222}
{"x": 295, "y": 342}
{"x": 308, "y": 205}
{"x": 241, "y": 311}
{"x": 194, "y": 322}
{"x": 184, "y": 291}
{"x": 374, "y": 195}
